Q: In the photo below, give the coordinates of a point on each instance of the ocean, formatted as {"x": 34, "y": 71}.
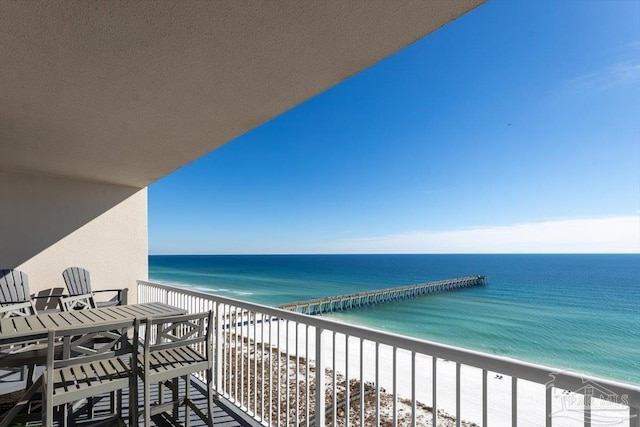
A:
{"x": 579, "y": 312}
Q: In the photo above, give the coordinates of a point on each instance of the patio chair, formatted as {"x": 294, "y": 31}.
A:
{"x": 78, "y": 283}
{"x": 174, "y": 347}
{"x": 84, "y": 371}
{"x": 15, "y": 298}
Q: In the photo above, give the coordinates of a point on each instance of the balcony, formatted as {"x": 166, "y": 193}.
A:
{"x": 268, "y": 363}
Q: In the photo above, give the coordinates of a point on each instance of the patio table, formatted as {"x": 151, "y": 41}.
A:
{"x": 24, "y": 328}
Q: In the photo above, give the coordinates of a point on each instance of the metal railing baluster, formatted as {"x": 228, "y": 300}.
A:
{"x": 242, "y": 347}
{"x": 297, "y": 377}
{"x": 255, "y": 364}
{"x": 236, "y": 359}
{"x": 270, "y": 347}
{"x": 395, "y": 387}
{"x": 587, "y": 410}
{"x": 361, "y": 382}
{"x": 347, "y": 394}
{"x": 218, "y": 349}
{"x": 414, "y": 399}
{"x": 434, "y": 390}
{"x": 458, "y": 408}
{"x": 287, "y": 363}
{"x": 484, "y": 398}
{"x": 320, "y": 381}
{"x": 279, "y": 371}
{"x": 377, "y": 384}
{"x": 308, "y": 391}
{"x": 262, "y": 396}
{"x": 514, "y": 401}
{"x": 335, "y": 385}
{"x": 548, "y": 406}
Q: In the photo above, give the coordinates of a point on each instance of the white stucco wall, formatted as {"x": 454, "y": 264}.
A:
{"x": 49, "y": 223}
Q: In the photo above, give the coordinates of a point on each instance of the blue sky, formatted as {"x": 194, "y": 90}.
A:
{"x": 515, "y": 128}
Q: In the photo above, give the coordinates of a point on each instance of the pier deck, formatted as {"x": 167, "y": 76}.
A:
{"x": 362, "y": 299}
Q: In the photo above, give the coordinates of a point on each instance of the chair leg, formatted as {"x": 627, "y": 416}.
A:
{"x": 175, "y": 395}
{"x": 118, "y": 402}
{"x": 47, "y": 414}
{"x": 47, "y": 411}
{"x": 133, "y": 401}
{"x": 147, "y": 403}
{"x": 187, "y": 399}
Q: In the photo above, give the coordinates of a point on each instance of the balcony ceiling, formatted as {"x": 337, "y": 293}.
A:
{"x": 127, "y": 92}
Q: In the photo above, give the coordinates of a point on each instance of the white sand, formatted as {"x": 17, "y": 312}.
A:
{"x": 531, "y": 396}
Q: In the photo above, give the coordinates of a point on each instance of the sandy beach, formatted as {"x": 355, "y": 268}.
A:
{"x": 531, "y": 397}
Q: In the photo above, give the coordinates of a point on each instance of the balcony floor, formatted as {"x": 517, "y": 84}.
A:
{"x": 224, "y": 415}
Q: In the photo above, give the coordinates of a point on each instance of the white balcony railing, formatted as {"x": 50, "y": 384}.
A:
{"x": 271, "y": 362}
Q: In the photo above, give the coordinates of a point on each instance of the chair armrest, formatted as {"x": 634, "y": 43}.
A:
{"x": 16, "y": 308}
{"x": 48, "y": 296}
{"x": 122, "y": 294}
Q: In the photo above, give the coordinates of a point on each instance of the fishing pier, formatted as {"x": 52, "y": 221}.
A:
{"x": 363, "y": 299}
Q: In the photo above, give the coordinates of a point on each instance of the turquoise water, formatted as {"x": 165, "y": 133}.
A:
{"x": 567, "y": 311}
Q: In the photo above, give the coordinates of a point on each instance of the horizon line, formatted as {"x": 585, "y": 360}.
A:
{"x": 394, "y": 253}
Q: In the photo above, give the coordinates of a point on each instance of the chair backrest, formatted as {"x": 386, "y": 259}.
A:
{"x": 15, "y": 298}
{"x": 193, "y": 330}
{"x": 79, "y": 344}
{"x": 14, "y": 287}
{"x": 77, "y": 302}
{"x": 77, "y": 280}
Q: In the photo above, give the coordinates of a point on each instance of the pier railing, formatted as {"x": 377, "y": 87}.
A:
{"x": 271, "y": 362}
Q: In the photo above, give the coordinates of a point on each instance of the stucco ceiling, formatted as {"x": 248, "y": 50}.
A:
{"x": 127, "y": 92}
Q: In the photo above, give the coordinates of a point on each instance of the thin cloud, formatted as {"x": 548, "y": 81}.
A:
{"x": 592, "y": 235}
{"x": 616, "y": 75}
